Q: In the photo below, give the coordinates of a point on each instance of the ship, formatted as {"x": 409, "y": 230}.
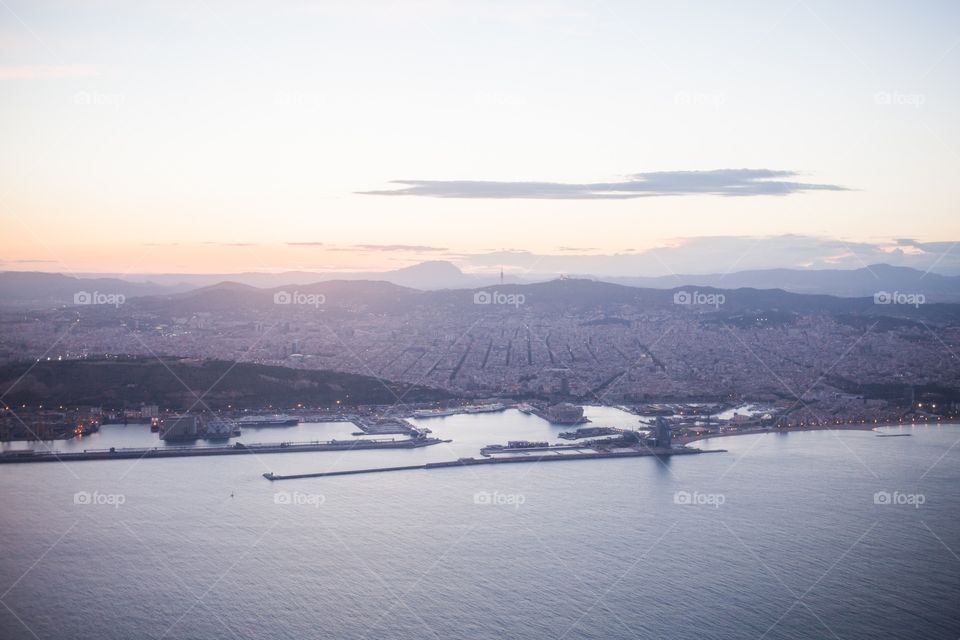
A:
{"x": 268, "y": 421}
{"x": 219, "y": 429}
{"x": 484, "y": 408}
{"x": 518, "y": 444}
{"x": 434, "y": 413}
{"x": 470, "y": 408}
{"x": 588, "y": 432}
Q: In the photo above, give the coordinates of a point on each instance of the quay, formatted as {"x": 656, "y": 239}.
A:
{"x": 237, "y": 449}
{"x": 468, "y": 462}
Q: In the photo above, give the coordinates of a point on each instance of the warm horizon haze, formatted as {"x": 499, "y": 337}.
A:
{"x": 479, "y": 319}
{"x": 219, "y": 138}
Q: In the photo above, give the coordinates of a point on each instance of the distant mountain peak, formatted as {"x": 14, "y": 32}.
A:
{"x": 434, "y": 267}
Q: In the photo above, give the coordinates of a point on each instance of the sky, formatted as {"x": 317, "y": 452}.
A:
{"x": 217, "y": 137}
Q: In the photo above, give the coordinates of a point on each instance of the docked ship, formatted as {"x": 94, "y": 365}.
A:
{"x": 517, "y": 444}
{"x": 268, "y": 421}
{"x": 219, "y": 429}
{"x": 484, "y": 408}
{"x": 434, "y": 413}
{"x": 193, "y": 427}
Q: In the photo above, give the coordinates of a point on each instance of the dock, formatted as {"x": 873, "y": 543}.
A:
{"x": 469, "y": 462}
{"x": 236, "y": 449}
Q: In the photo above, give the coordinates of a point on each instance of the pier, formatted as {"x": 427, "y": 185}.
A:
{"x": 237, "y": 449}
{"x": 469, "y": 462}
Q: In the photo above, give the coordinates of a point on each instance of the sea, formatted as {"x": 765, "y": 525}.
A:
{"x": 815, "y": 534}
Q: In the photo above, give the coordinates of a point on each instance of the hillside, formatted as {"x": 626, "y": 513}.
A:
{"x": 178, "y": 383}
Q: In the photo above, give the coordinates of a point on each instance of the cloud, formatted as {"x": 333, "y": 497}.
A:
{"x": 305, "y": 244}
{"x": 720, "y": 254}
{"x": 232, "y": 244}
{"x": 717, "y": 182}
{"x": 398, "y": 247}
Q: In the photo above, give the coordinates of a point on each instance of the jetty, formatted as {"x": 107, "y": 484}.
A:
{"x": 542, "y": 456}
{"x": 30, "y": 455}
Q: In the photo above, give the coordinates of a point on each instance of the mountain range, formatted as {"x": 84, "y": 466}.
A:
{"x": 38, "y": 289}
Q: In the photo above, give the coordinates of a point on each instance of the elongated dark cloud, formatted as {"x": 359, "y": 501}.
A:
{"x": 232, "y": 244}
{"x": 718, "y": 182}
{"x": 398, "y": 247}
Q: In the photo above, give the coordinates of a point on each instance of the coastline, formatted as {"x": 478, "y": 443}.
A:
{"x": 835, "y": 427}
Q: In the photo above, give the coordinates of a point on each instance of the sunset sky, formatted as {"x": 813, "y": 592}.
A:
{"x": 243, "y": 136}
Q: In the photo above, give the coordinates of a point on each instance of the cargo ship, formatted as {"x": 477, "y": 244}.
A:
{"x": 470, "y": 408}
{"x": 268, "y": 421}
{"x": 588, "y": 432}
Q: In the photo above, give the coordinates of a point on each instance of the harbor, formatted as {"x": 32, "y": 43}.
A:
{"x": 467, "y": 434}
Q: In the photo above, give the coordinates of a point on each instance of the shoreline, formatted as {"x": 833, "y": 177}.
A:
{"x": 836, "y": 427}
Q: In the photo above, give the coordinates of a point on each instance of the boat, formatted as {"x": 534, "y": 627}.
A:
{"x": 219, "y": 429}
{"x": 526, "y": 444}
{"x": 514, "y": 445}
{"x": 484, "y": 408}
{"x": 268, "y": 421}
{"x": 434, "y": 413}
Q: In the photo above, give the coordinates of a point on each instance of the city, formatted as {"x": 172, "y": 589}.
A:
{"x": 533, "y": 319}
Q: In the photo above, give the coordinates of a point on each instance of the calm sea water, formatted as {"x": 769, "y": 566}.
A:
{"x": 780, "y": 537}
